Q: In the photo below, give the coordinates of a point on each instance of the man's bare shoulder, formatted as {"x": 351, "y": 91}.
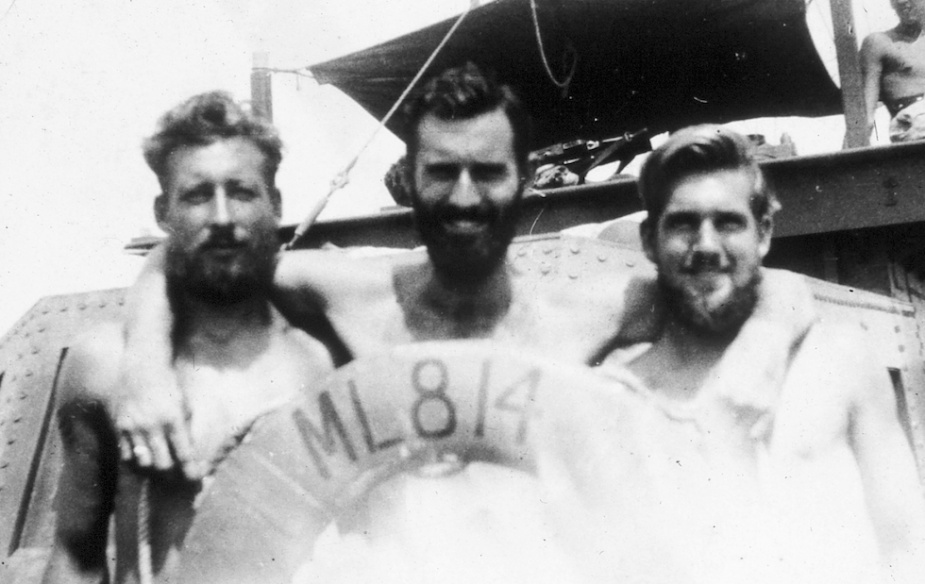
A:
{"x": 312, "y": 352}
{"x": 91, "y": 368}
{"x": 836, "y": 357}
{"x": 786, "y": 300}
{"x": 836, "y": 340}
{"x": 878, "y": 42}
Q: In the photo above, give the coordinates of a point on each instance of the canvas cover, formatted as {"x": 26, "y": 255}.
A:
{"x": 656, "y": 64}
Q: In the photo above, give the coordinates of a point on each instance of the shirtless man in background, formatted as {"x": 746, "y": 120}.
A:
{"x": 468, "y": 152}
{"x": 236, "y": 357}
{"x": 893, "y": 66}
{"x": 810, "y": 481}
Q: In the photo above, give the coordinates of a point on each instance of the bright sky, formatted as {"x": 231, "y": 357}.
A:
{"x": 81, "y": 83}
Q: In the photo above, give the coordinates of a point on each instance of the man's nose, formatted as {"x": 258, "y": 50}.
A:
{"x": 707, "y": 238}
{"x": 221, "y": 210}
{"x": 465, "y": 192}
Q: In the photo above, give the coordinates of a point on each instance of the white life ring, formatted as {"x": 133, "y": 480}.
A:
{"x": 376, "y": 417}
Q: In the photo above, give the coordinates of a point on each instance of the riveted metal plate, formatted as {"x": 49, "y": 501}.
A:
{"x": 30, "y": 357}
{"x": 572, "y": 261}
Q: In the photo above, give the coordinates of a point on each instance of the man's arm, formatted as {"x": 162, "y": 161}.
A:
{"x": 87, "y": 485}
{"x": 891, "y": 483}
{"x": 307, "y": 281}
{"x": 871, "y": 59}
{"x": 150, "y": 409}
{"x": 304, "y": 281}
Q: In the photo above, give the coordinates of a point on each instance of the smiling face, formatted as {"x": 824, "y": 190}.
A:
{"x": 221, "y": 215}
{"x": 467, "y": 189}
{"x": 708, "y": 247}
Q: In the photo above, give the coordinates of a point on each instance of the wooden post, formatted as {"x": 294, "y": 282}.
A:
{"x": 849, "y": 70}
{"x": 262, "y": 86}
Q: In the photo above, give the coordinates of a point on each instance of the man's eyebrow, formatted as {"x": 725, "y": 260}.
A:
{"x": 682, "y": 214}
{"x": 441, "y": 166}
{"x": 192, "y": 186}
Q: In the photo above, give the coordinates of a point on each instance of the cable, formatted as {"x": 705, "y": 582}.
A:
{"x": 539, "y": 41}
{"x": 342, "y": 178}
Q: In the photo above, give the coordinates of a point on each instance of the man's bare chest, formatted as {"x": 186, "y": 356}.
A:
{"x": 810, "y": 426}
{"x": 223, "y": 402}
{"x": 905, "y": 59}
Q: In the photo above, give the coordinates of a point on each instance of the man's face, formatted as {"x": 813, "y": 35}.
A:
{"x": 221, "y": 217}
{"x": 467, "y": 190}
{"x": 708, "y": 248}
{"x": 909, "y": 11}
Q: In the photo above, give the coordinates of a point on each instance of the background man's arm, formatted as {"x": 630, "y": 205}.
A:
{"x": 338, "y": 288}
{"x": 871, "y": 58}
{"x": 86, "y": 489}
{"x": 150, "y": 409}
{"x": 891, "y": 483}
{"x": 306, "y": 281}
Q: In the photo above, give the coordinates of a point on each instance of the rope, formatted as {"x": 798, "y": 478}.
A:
{"x": 145, "y": 571}
{"x": 342, "y": 178}
{"x": 539, "y": 41}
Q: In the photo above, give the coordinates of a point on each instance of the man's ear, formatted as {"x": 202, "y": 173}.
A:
{"x": 647, "y": 235}
{"x": 160, "y": 211}
{"x": 276, "y": 199}
{"x": 765, "y": 233}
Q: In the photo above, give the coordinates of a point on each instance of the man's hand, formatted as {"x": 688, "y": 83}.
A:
{"x": 149, "y": 409}
{"x": 152, "y": 422}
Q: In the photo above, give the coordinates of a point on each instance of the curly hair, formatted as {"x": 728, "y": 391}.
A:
{"x": 699, "y": 149}
{"x": 465, "y": 92}
{"x": 204, "y": 119}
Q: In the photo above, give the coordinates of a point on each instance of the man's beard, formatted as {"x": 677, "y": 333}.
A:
{"x": 691, "y": 309}
{"x": 467, "y": 260}
{"x": 224, "y": 281}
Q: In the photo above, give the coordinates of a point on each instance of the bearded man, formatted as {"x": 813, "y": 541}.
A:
{"x": 810, "y": 481}
{"x": 235, "y": 356}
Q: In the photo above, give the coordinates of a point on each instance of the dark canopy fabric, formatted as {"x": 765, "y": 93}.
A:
{"x": 660, "y": 64}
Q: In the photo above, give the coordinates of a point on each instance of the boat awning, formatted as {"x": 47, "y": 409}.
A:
{"x": 656, "y": 64}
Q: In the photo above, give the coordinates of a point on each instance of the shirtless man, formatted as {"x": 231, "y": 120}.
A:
{"x": 811, "y": 481}
{"x": 236, "y": 357}
{"x": 893, "y": 66}
{"x": 469, "y": 158}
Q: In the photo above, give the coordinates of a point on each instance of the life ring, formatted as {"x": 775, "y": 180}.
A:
{"x": 465, "y": 401}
